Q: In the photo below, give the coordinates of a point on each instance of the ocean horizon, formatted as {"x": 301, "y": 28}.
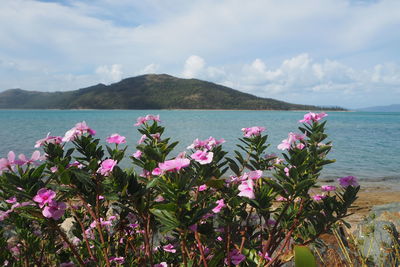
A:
{"x": 365, "y": 144}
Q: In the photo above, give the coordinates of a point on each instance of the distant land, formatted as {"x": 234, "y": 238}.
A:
{"x": 152, "y": 91}
{"x": 389, "y": 108}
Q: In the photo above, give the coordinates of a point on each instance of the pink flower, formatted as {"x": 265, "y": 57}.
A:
{"x": 202, "y": 157}
{"x": 161, "y": 264}
{"x": 348, "y": 181}
{"x": 292, "y": 138}
{"x": 142, "y": 120}
{"x": 300, "y": 146}
{"x": 159, "y": 198}
{"x": 318, "y": 197}
{"x": 246, "y": 189}
{"x": 75, "y": 164}
{"x": 4, "y": 214}
{"x": 7, "y": 163}
{"x": 137, "y": 154}
{"x": 202, "y": 187}
{"x": 313, "y": 117}
{"x": 174, "y": 164}
{"x": 23, "y": 160}
{"x": 54, "y": 210}
{"x": 156, "y": 136}
{"x": 265, "y": 256}
{"x": 116, "y": 139}
{"x": 254, "y": 175}
{"x": 79, "y": 129}
{"x": 328, "y": 188}
{"x": 11, "y": 200}
{"x": 117, "y": 260}
{"x": 54, "y": 169}
{"x": 220, "y": 205}
{"x": 219, "y": 239}
{"x": 207, "y": 144}
{"x": 169, "y": 248}
{"x": 44, "y": 196}
{"x": 156, "y": 172}
{"x": 253, "y": 131}
{"x": 107, "y": 166}
{"x": 287, "y": 171}
{"x": 281, "y": 199}
{"x": 142, "y": 138}
{"x": 236, "y": 257}
{"x": 48, "y": 140}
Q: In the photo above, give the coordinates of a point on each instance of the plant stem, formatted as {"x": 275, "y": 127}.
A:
{"x": 200, "y": 245}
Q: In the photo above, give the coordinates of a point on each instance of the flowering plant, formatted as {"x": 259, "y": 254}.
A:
{"x": 78, "y": 207}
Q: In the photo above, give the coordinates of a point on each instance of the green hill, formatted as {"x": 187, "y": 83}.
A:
{"x": 146, "y": 92}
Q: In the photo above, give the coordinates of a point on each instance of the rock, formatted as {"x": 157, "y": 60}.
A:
{"x": 378, "y": 236}
{"x": 388, "y": 212}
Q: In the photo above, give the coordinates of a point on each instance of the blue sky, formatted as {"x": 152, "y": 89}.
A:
{"x": 324, "y": 52}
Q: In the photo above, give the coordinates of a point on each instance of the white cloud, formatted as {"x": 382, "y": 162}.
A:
{"x": 257, "y": 46}
{"x": 301, "y": 79}
{"x": 194, "y": 66}
{"x": 111, "y": 73}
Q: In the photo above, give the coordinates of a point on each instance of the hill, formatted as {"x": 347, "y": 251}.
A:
{"x": 146, "y": 92}
{"x": 389, "y": 108}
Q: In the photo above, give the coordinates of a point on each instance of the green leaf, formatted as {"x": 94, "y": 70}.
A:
{"x": 303, "y": 257}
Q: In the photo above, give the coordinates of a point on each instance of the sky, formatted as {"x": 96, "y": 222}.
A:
{"x": 322, "y": 52}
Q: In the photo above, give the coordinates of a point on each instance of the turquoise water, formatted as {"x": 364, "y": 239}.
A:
{"x": 365, "y": 144}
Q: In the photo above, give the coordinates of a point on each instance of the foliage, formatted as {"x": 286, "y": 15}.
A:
{"x": 78, "y": 207}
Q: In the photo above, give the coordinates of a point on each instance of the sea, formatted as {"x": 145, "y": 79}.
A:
{"x": 365, "y": 144}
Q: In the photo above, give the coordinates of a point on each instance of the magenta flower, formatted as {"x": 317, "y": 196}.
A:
{"x": 142, "y": 120}
{"x": 313, "y": 117}
{"x": 348, "y": 181}
{"x": 54, "y": 210}
{"x": 174, "y": 164}
{"x": 44, "y": 196}
{"x": 23, "y": 160}
{"x": 202, "y": 187}
{"x": 318, "y": 197}
{"x": 161, "y": 264}
{"x": 169, "y": 248}
{"x": 220, "y": 205}
{"x": 48, "y": 140}
{"x": 328, "y": 188}
{"x": 253, "y": 131}
{"x": 107, "y": 166}
{"x": 54, "y": 169}
{"x": 236, "y": 257}
{"x": 246, "y": 189}
{"x": 116, "y": 139}
{"x": 202, "y": 157}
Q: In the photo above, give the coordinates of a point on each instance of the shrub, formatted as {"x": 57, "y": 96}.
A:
{"x": 78, "y": 207}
